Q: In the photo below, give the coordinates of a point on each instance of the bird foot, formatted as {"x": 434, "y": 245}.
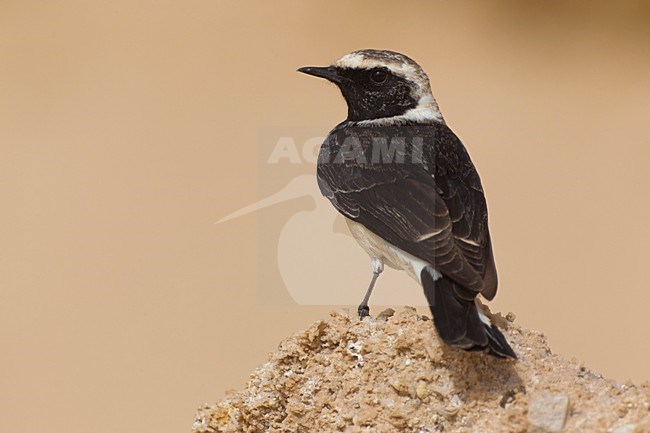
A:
{"x": 363, "y": 311}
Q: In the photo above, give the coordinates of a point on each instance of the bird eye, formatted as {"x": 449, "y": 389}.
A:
{"x": 378, "y": 76}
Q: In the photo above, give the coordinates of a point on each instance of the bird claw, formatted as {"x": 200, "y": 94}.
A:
{"x": 363, "y": 311}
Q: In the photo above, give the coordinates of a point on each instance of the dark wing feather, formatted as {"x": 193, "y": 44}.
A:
{"x": 460, "y": 187}
{"x": 435, "y": 211}
{"x": 412, "y": 216}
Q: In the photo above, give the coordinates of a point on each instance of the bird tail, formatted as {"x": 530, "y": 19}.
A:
{"x": 459, "y": 322}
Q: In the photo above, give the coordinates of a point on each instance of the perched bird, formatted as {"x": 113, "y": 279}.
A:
{"x": 410, "y": 193}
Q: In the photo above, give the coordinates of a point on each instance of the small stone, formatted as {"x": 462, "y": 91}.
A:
{"x": 407, "y": 315}
{"x": 453, "y": 407}
{"x": 547, "y": 413}
{"x": 421, "y": 390}
{"x": 386, "y": 314}
{"x": 365, "y": 417}
{"x": 400, "y": 387}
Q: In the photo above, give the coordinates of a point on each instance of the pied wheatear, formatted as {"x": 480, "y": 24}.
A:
{"x": 410, "y": 193}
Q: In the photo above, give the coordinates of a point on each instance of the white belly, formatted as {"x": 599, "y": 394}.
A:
{"x": 387, "y": 253}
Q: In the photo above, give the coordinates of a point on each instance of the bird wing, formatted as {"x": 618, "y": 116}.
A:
{"x": 459, "y": 185}
{"x": 435, "y": 211}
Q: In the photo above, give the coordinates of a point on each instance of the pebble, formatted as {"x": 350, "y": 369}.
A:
{"x": 386, "y": 314}
{"x": 547, "y": 413}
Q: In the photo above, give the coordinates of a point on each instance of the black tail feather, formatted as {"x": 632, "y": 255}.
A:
{"x": 459, "y": 322}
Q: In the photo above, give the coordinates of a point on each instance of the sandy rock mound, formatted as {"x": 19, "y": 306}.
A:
{"x": 392, "y": 374}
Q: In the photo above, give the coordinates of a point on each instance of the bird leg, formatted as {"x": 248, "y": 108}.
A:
{"x": 377, "y": 268}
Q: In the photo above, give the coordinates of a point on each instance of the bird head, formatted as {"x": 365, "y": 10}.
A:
{"x": 381, "y": 87}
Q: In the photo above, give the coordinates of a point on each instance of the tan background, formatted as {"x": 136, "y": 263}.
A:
{"x": 127, "y": 128}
